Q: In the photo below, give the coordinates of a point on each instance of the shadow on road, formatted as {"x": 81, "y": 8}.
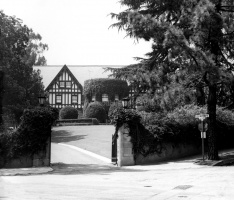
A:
{"x": 58, "y": 136}
{"x": 72, "y": 169}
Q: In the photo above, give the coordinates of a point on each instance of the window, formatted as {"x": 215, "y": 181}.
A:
{"x": 59, "y": 99}
{"x": 93, "y": 97}
{"x": 62, "y": 84}
{"x": 68, "y": 84}
{"x": 74, "y": 99}
{"x": 116, "y": 97}
{"x": 105, "y": 97}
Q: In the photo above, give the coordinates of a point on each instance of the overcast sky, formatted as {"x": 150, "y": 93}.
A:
{"x": 77, "y": 31}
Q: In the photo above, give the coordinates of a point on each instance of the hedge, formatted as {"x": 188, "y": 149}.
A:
{"x": 31, "y": 135}
{"x": 105, "y": 86}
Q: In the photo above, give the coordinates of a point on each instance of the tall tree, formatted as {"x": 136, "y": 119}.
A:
{"x": 20, "y": 50}
{"x": 193, "y": 37}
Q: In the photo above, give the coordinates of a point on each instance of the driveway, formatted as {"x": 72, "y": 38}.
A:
{"x": 96, "y": 138}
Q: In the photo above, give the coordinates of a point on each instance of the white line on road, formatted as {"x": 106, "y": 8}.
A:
{"x": 107, "y": 160}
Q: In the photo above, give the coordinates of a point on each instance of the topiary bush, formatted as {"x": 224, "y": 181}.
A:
{"x": 68, "y": 112}
{"x": 96, "y": 110}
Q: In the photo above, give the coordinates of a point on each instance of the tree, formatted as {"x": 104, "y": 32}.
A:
{"x": 20, "y": 50}
{"x": 192, "y": 37}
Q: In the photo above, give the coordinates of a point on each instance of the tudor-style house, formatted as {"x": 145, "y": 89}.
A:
{"x": 65, "y": 90}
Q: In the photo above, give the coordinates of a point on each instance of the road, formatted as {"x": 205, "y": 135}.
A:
{"x": 77, "y": 175}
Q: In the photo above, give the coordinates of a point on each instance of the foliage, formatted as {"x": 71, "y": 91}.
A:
{"x": 176, "y": 127}
{"x": 192, "y": 38}
{"x": 96, "y": 110}
{"x": 113, "y": 107}
{"x": 68, "y": 112}
{"x": 20, "y": 50}
{"x": 143, "y": 141}
{"x": 105, "y": 86}
{"x": 31, "y": 136}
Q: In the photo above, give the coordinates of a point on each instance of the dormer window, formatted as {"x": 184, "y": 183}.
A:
{"x": 68, "y": 84}
{"x": 62, "y": 84}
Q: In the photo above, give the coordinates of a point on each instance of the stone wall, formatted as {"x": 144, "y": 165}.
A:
{"x": 169, "y": 151}
{"x": 41, "y": 159}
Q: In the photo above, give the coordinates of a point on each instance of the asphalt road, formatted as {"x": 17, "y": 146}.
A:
{"x": 79, "y": 176}
{"x": 170, "y": 180}
{"x": 96, "y": 139}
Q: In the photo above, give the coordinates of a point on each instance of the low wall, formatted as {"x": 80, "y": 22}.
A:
{"x": 41, "y": 159}
{"x": 169, "y": 152}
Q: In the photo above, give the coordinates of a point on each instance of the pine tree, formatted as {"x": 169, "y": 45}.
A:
{"x": 193, "y": 37}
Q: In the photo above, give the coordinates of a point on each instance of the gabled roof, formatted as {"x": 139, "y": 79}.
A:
{"x": 65, "y": 68}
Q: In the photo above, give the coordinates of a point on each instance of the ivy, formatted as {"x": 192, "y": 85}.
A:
{"x": 144, "y": 142}
{"x": 105, "y": 86}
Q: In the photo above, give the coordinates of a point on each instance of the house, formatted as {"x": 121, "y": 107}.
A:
{"x": 65, "y": 90}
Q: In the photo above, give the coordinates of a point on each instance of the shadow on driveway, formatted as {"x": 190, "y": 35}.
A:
{"x": 58, "y": 136}
{"x": 72, "y": 169}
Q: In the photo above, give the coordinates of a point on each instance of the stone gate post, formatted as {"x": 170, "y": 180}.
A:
{"x": 124, "y": 147}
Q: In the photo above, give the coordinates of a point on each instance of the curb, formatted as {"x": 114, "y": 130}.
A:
{"x": 25, "y": 171}
{"x": 224, "y": 162}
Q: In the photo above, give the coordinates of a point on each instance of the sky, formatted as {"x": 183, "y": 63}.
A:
{"x": 77, "y": 31}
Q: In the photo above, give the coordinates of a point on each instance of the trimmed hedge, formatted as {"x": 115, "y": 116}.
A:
{"x": 68, "y": 112}
{"x": 96, "y": 110}
{"x": 105, "y": 86}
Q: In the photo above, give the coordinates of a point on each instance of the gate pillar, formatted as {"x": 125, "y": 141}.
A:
{"x": 124, "y": 147}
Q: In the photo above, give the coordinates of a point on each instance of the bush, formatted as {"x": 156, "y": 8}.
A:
{"x": 113, "y": 107}
{"x": 68, "y": 112}
{"x": 178, "y": 126}
{"x": 96, "y": 110}
{"x": 31, "y": 135}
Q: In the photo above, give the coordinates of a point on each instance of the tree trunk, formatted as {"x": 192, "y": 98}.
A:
{"x": 200, "y": 95}
{"x": 212, "y": 134}
{"x": 1, "y": 98}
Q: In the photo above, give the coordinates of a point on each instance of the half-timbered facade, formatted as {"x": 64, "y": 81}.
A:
{"x": 65, "y": 90}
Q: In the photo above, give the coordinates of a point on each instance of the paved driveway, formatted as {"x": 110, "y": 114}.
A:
{"x": 96, "y": 138}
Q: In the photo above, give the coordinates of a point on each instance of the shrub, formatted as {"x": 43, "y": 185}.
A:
{"x": 177, "y": 126}
{"x": 112, "y": 108}
{"x": 31, "y": 135}
{"x": 96, "y": 110}
{"x": 68, "y": 112}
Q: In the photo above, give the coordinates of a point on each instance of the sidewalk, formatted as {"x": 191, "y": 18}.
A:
{"x": 226, "y": 159}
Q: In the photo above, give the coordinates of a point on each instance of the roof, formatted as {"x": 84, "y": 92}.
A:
{"x": 65, "y": 68}
{"x": 80, "y": 72}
